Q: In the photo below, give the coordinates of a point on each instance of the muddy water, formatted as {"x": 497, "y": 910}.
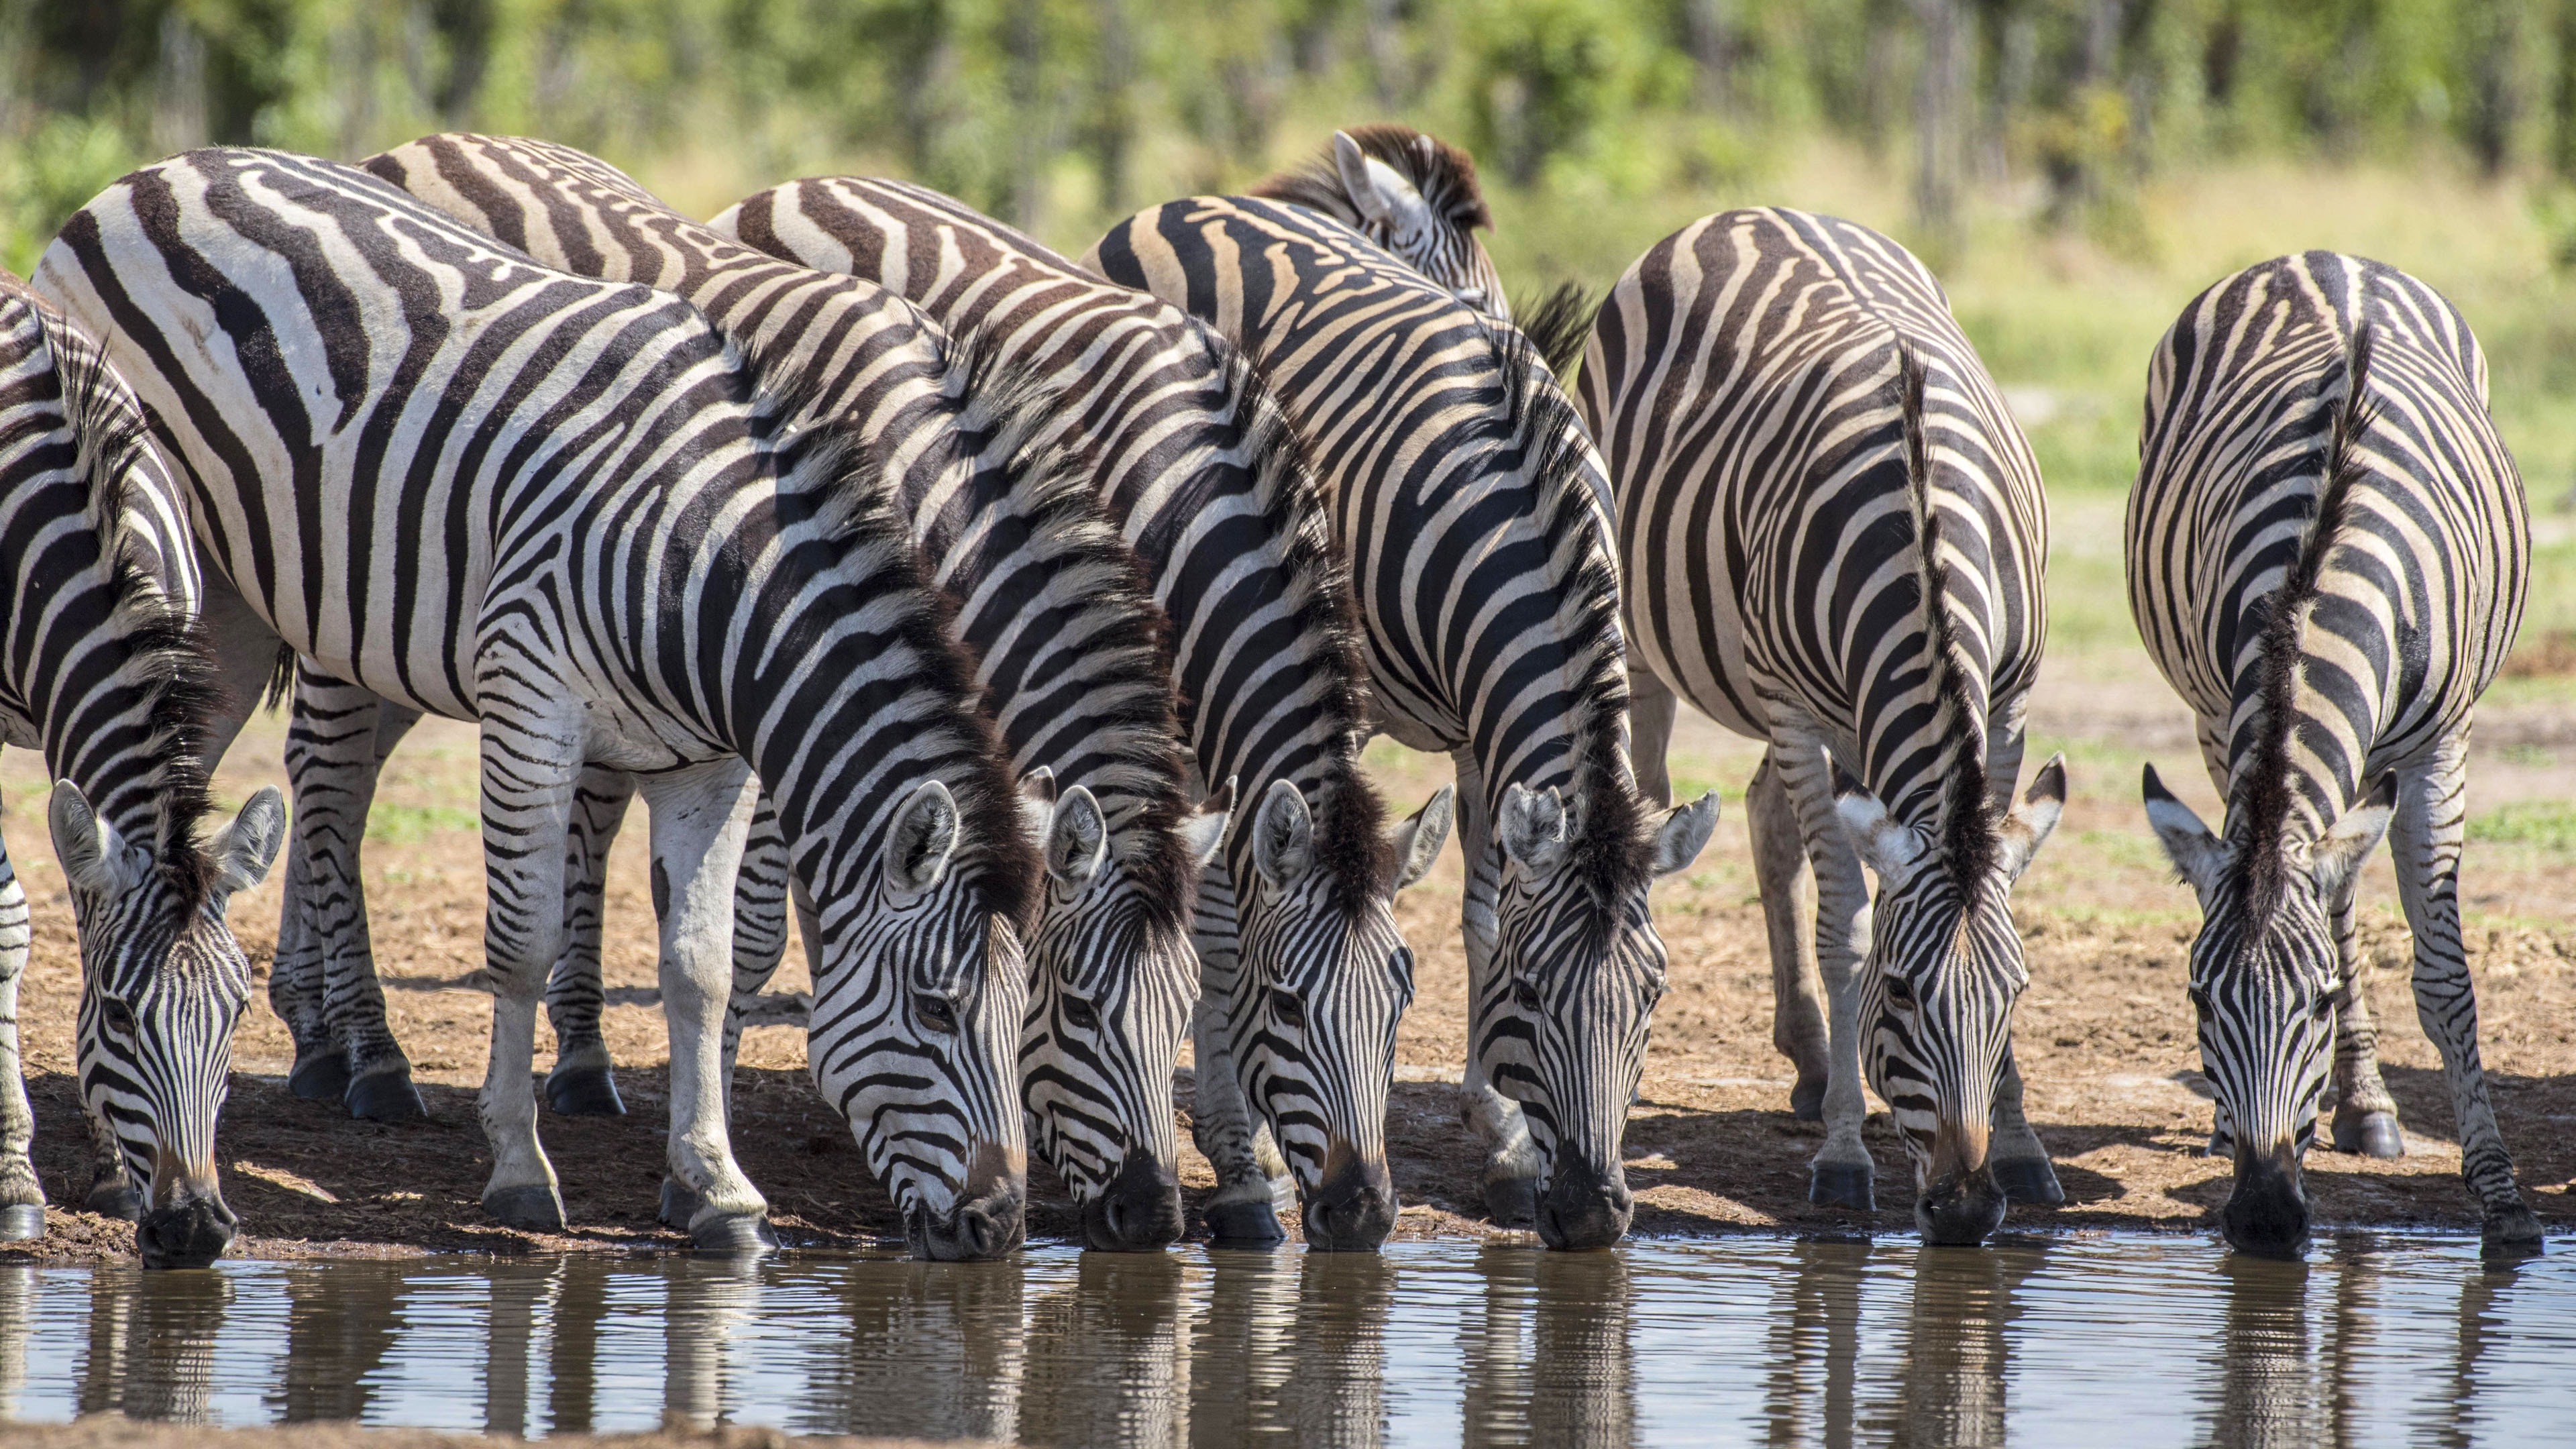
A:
{"x": 2127, "y": 1339}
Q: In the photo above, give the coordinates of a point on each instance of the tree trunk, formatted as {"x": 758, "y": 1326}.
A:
{"x": 1937, "y": 94}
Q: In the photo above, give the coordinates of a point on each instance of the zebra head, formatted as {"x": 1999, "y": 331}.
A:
{"x": 1943, "y": 973}
{"x": 916, "y": 1026}
{"x": 1112, "y": 983}
{"x": 1415, "y": 196}
{"x": 1323, "y": 980}
{"x": 163, "y": 984}
{"x": 1575, "y": 947}
{"x": 2264, "y": 980}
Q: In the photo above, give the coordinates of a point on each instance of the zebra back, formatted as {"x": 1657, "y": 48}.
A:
{"x": 1412, "y": 194}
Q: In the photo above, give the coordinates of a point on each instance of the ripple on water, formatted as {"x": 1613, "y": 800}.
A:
{"x": 2119, "y": 1338}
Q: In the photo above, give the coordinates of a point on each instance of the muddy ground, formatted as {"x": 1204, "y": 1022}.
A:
{"x": 2103, "y": 1034}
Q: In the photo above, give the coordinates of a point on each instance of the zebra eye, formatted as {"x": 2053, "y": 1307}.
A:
{"x": 1525, "y": 993}
{"x": 1285, "y": 1005}
{"x": 2323, "y": 1010}
{"x": 934, "y": 1013}
{"x": 118, "y": 1015}
{"x": 1900, "y": 990}
{"x": 2200, "y": 1003}
{"x": 1080, "y": 1014}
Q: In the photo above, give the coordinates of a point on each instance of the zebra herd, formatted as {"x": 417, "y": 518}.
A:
{"x": 1019, "y": 622}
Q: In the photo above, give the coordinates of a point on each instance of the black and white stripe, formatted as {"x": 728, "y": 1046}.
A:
{"x": 1477, "y": 522}
{"x": 558, "y": 507}
{"x": 102, "y": 669}
{"x": 1201, "y": 475}
{"x": 1833, "y": 537}
{"x": 2328, "y": 550}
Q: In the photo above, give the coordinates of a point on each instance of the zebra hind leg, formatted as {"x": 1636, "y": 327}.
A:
{"x": 530, "y": 765}
{"x": 1788, "y": 886}
{"x": 1245, "y": 1211}
{"x": 2365, "y": 1116}
{"x": 22, "y": 1196}
{"x": 583, "y": 1082}
{"x": 1842, "y": 1174}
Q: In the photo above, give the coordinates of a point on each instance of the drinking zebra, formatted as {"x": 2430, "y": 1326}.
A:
{"x": 105, "y": 672}
{"x": 1415, "y": 196}
{"x": 1833, "y": 537}
{"x": 1478, "y": 526}
{"x": 2327, "y": 554}
{"x": 1051, "y": 605}
{"x": 1304, "y": 971}
{"x": 560, "y": 508}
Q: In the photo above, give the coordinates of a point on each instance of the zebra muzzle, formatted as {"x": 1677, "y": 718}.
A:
{"x": 1354, "y": 1209}
{"x": 987, "y": 1220}
{"x": 1137, "y": 1211}
{"x": 192, "y": 1231}
{"x": 2267, "y": 1210}
{"x": 1585, "y": 1208}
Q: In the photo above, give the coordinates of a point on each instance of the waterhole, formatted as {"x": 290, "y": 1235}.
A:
{"x": 2129, "y": 1339}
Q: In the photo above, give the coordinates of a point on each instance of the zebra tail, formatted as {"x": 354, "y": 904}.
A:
{"x": 1968, "y": 843}
{"x": 1559, "y": 320}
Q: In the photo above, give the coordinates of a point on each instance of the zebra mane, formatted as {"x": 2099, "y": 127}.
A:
{"x": 1350, "y": 838}
{"x": 172, "y": 655}
{"x": 1444, "y": 174}
{"x": 1612, "y": 844}
{"x": 2267, "y": 793}
{"x": 1560, "y": 322}
{"x": 1967, "y": 825}
{"x": 824, "y": 456}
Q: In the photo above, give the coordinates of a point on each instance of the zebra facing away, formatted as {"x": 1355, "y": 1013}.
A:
{"x": 1050, "y": 603}
{"x": 560, "y": 508}
{"x": 1415, "y": 196}
{"x": 2327, "y": 551}
{"x": 105, "y": 673}
{"x": 1478, "y": 526}
{"x": 1833, "y": 537}
{"x": 1304, "y": 971}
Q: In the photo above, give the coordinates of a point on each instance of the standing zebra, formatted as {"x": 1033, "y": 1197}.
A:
{"x": 1833, "y": 537}
{"x": 104, "y": 671}
{"x": 2327, "y": 556}
{"x": 1478, "y": 526}
{"x": 1415, "y": 196}
{"x": 1304, "y": 971}
{"x": 1050, "y": 604}
{"x": 559, "y": 508}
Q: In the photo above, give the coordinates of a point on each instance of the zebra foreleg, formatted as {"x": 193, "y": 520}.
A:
{"x": 1652, "y": 708}
{"x": 1250, "y": 1181}
{"x": 530, "y": 764}
{"x": 2021, "y": 1165}
{"x": 2365, "y": 1116}
{"x": 22, "y": 1196}
{"x": 583, "y": 1082}
{"x": 760, "y": 897}
{"x": 1513, "y": 1161}
{"x": 1788, "y": 885}
{"x": 2425, "y": 835}
{"x": 1842, "y": 1172}
{"x": 700, "y": 818}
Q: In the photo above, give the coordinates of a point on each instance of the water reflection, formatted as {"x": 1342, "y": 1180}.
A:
{"x": 1786, "y": 1343}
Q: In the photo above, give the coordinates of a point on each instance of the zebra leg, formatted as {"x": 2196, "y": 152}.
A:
{"x": 1788, "y": 886}
{"x": 2426, "y": 838}
{"x": 321, "y": 1070}
{"x": 2365, "y": 1116}
{"x": 1245, "y": 1211}
{"x": 22, "y": 1196}
{"x": 1652, "y": 707}
{"x": 700, "y": 817}
{"x": 1842, "y": 1173}
{"x": 530, "y": 765}
{"x": 1513, "y": 1162}
{"x": 2020, "y": 1160}
{"x": 584, "y": 1081}
{"x": 112, "y": 1193}
{"x": 759, "y": 940}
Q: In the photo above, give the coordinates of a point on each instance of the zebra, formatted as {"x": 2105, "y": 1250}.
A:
{"x": 1052, "y": 605}
{"x": 1478, "y": 525}
{"x": 562, "y": 508}
{"x": 1303, "y": 969}
{"x": 104, "y": 671}
{"x": 1415, "y": 196}
{"x": 1833, "y": 537}
{"x": 2327, "y": 550}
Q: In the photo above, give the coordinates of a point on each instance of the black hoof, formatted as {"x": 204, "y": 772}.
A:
{"x": 1512, "y": 1202}
{"x": 2029, "y": 1180}
{"x": 537, "y": 1209}
{"x": 1245, "y": 1225}
{"x": 2372, "y": 1134}
{"x": 116, "y": 1200}
{"x": 1807, "y": 1100}
{"x": 736, "y": 1234}
{"x": 2513, "y": 1232}
{"x": 386, "y": 1096}
{"x": 680, "y": 1203}
{"x": 584, "y": 1092}
{"x": 21, "y": 1221}
{"x": 321, "y": 1077}
{"x": 1836, "y": 1184}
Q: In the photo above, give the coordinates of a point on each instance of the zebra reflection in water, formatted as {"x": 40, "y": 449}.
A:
{"x": 1550, "y": 1352}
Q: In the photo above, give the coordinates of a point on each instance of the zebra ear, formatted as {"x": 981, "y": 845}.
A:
{"x": 1535, "y": 829}
{"x": 1283, "y": 835}
{"x": 1203, "y": 833}
{"x": 2338, "y": 857}
{"x": 1037, "y": 803}
{"x": 2197, "y": 855}
{"x": 1418, "y": 838}
{"x": 93, "y": 856}
{"x": 1884, "y": 843}
{"x": 924, "y": 836}
{"x": 1683, "y": 832}
{"x": 248, "y": 846}
{"x": 1377, "y": 189}
{"x": 1077, "y": 843}
{"x": 2030, "y": 822}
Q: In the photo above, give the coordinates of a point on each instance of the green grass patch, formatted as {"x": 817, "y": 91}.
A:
{"x": 412, "y": 824}
{"x": 2534, "y": 824}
